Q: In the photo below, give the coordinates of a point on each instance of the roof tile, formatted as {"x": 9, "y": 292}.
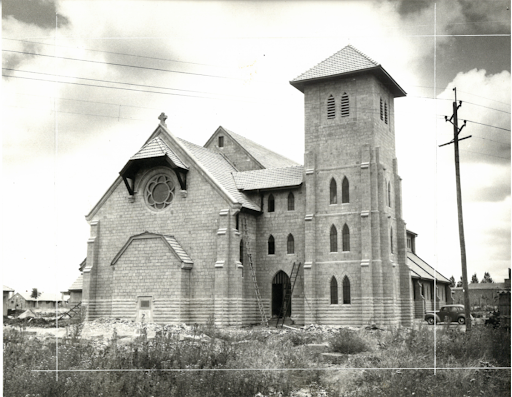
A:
{"x": 348, "y": 59}
{"x": 269, "y": 178}
{"x": 157, "y": 148}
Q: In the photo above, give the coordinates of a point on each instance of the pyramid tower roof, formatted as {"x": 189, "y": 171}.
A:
{"x": 348, "y": 61}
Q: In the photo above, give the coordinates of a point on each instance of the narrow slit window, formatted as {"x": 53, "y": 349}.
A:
{"x": 332, "y": 189}
{"x": 345, "y": 196}
{"x": 333, "y": 239}
{"x": 346, "y": 291}
{"x": 389, "y": 194}
{"x": 291, "y": 202}
{"x": 391, "y": 239}
{"x": 346, "y": 238}
{"x": 241, "y": 251}
{"x": 331, "y": 107}
{"x": 334, "y": 291}
{"x": 345, "y": 108}
{"x": 271, "y": 245}
{"x": 290, "y": 244}
{"x": 221, "y": 141}
{"x": 271, "y": 203}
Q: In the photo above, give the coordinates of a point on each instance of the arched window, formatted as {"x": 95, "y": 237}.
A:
{"x": 391, "y": 239}
{"x": 332, "y": 189}
{"x": 346, "y": 238}
{"x": 334, "y": 291}
{"x": 291, "y": 202}
{"x": 331, "y": 107}
{"x": 346, "y": 291}
{"x": 381, "y": 110}
{"x": 345, "y": 109}
{"x": 345, "y": 197}
{"x": 389, "y": 194}
{"x": 271, "y": 245}
{"x": 242, "y": 251}
{"x": 386, "y": 112}
{"x": 290, "y": 244}
{"x": 271, "y": 203}
{"x": 333, "y": 239}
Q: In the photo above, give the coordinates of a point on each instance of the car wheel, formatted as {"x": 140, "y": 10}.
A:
{"x": 430, "y": 320}
{"x": 461, "y": 320}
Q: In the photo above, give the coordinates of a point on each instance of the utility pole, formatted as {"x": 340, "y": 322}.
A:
{"x": 456, "y": 131}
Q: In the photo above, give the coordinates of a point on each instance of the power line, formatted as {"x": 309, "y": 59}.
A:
{"x": 484, "y": 154}
{"x": 120, "y": 88}
{"x": 82, "y": 114}
{"x": 124, "y": 65}
{"x": 487, "y": 125}
{"x": 120, "y": 53}
{"x": 117, "y": 82}
{"x": 488, "y": 139}
{"x": 471, "y": 103}
{"x": 442, "y": 89}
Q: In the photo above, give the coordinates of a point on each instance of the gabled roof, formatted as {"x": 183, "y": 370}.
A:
{"x": 483, "y": 286}
{"x": 423, "y": 270}
{"x": 269, "y": 178}
{"x": 78, "y": 284}
{"x": 157, "y": 148}
{"x": 44, "y": 297}
{"x": 221, "y": 170}
{"x": 186, "y": 262}
{"x": 347, "y": 61}
{"x": 264, "y": 156}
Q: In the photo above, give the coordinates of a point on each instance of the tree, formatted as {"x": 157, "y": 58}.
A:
{"x": 35, "y": 294}
{"x": 487, "y": 278}
{"x": 459, "y": 283}
{"x": 452, "y": 282}
{"x": 474, "y": 279}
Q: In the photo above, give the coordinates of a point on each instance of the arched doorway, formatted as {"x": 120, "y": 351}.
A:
{"x": 280, "y": 284}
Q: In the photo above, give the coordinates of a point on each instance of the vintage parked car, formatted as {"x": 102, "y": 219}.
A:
{"x": 447, "y": 313}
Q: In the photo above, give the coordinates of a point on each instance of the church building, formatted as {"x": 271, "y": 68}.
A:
{"x": 189, "y": 233}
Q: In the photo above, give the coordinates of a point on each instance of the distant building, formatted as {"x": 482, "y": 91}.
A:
{"x": 481, "y": 295}
{"x": 7, "y": 292}
{"x": 428, "y": 285}
{"x": 24, "y": 300}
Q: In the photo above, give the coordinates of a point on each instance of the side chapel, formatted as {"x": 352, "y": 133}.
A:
{"x": 166, "y": 240}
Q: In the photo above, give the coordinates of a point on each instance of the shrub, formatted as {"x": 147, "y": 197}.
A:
{"x": 348, "y": 342}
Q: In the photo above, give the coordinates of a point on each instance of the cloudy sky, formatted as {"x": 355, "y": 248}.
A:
{"x": 83, "y": 83}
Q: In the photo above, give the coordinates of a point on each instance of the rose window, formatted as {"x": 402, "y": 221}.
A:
{"x": 159, "y": 192}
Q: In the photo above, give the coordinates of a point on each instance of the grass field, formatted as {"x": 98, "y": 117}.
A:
{"x": 257, "y": 362}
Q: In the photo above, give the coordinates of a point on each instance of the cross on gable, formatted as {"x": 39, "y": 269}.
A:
{"x": 162, "y": 118}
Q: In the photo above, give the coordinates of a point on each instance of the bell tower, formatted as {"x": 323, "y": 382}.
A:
{"x": 354, "y": 229}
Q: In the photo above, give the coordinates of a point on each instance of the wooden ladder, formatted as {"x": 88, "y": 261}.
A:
{"x": 288, "y": 293}
{"x": 72, "y": 312}
{"x": 245, "y": 234}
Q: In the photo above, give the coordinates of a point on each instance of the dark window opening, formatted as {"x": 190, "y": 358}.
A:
{"x": 271, "y": 246}
{"x": 386, "y": 112}
{"x": 346, "y": 291}
{"x": 291, "y": 202}
{"x": 391, "y": 239}
{"x": 271, "y": 203}
{"x": 345, "y": 196}
{"x": 389, "y": 194}
{"x": 144, "y": 304}
{"x": 334, "y": 291}
{"x": 290, "y": 245}
{"x": 237, "y": 221}
{"x": 333, "y": 239}
{"x": 346, "y": 238}
{"x": 221, "y": 141}
{"x": 381, "y": 110}
{"x": 332, "y": 189}
{"x": 241, "y": 252}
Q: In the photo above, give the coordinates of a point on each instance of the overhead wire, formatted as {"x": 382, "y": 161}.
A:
{"x": 117, "y": 82}
{"x": 125, "y": 65}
